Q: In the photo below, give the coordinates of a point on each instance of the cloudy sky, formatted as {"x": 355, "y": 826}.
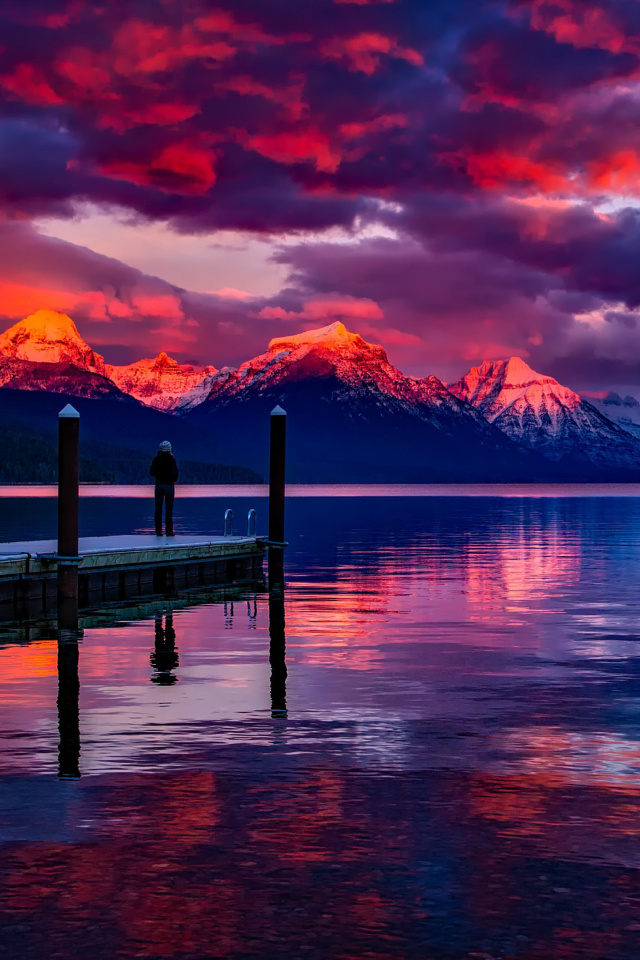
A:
{"x": 458, "y": 180}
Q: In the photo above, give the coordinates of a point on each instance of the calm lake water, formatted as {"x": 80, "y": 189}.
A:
{"x": 450, "y": 768}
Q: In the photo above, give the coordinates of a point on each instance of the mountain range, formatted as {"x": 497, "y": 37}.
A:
{"x": 352, "y": 415}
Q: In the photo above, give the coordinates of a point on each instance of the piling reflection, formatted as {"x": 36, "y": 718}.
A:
{"x": 69, "y": 635}
{"x": 164, "y": 657}
{"x": 277, "y": 655}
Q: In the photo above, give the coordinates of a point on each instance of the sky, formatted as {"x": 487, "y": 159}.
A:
{"x": 458, "y": 180}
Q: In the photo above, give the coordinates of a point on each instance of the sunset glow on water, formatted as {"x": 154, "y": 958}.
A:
{"x": 450, "y": 768}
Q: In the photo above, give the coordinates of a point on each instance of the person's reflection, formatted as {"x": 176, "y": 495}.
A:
{"x": 277, "y": 656}
{"x": 164, "y": 657}
{"x": 69, "y": 634}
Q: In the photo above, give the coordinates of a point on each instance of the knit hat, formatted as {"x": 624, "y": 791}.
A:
{"x": 165, "y": 447}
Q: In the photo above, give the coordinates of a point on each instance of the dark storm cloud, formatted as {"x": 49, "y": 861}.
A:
{"x": 180, "y": 111}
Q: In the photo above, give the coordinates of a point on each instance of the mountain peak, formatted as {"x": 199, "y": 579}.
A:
{"x": 162, "y": 382}
{"x": 48, "y": 336}
{"x": 334, "y": 335}
{"x": 519, "y": 372}
{"x": 497, "y": 384}
{"x": 46, "y": 324}
{"x": 545, "y": 415}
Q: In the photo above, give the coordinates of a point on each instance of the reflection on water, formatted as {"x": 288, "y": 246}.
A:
{"x": 428, "y": 747}
{"x": 164, "y": 658}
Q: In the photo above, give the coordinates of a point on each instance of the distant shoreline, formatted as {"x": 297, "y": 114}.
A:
{"x": 295, "y": 490}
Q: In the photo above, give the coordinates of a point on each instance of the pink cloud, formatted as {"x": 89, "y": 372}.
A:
{"x": 364, "y": 51}
{"x": 322, "y": 309}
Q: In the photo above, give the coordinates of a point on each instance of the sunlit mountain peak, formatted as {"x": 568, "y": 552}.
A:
{"x": 519, "y": 372}
{"x": 46, "y": 324}
{"x": 537, "y": 411}
{"x": 163, "y": 383}
{"x": 48, "y": 336}
{"x": 333, "y": 335}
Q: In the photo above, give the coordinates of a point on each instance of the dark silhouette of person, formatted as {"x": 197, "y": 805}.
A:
{"x": 164, "y": 657}
{"x": 164, "y": 469}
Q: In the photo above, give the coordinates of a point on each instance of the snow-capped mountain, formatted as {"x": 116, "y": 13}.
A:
{"x": 353, "y": 414}
{"x": 50, "y": 337}
{"x": 545, "y": 416}
{"x": 45, "y": 352}
{"x": 164, "y": 383}
{"x": 624, "y": 411}
{"x": 361, "y": 371}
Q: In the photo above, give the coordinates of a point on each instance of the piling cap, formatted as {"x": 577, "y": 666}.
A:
{"x": 278, "y": 412}
{"x": 68, "y": 412}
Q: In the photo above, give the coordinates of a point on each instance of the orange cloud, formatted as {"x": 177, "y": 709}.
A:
{"x": 19, "y": 300}
{"x": 365, "y": 51}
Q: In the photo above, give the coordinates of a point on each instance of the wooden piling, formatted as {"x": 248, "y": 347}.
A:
{"x": 277, "y": 452}
{"x": 68, "y": 497}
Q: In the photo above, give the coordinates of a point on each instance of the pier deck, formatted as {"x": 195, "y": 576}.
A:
{"x": 116, "y": 568}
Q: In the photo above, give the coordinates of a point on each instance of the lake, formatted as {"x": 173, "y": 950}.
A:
{"x": 448, "y": 767}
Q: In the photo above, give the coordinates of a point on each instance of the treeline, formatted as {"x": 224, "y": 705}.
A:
{"x": 28, "y": 457}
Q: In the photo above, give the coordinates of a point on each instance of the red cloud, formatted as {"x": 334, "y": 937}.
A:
{"x": 28, "y": 83}
{"x": 299, "y": 146}
{"x": 289, "y": 95}
{"x": 618, "y": 173}
{"x": 360, "y": 128}
{"x": 500, "y": 169}
{"x": 179, "y": 168}
{"x": 84, "y": 70}
{"x": 147, "y": 48}
{"x": 582, "y": 25}
{"x": 365, "y": 51}
{"x": 121, "y": 118}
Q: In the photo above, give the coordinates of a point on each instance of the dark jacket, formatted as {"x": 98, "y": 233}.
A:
{"x": 164, "y": 468}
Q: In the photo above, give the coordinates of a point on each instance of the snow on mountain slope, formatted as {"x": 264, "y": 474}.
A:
{"x": 50, "y": 337}
{"x": 45, "y": 352}
{"x": 163, "y": 383}
{"x": 352, "y": 415}
{"x": 360, "y": 371}
{"x": 544, "y": 415}
{"x": 624, "y": 411}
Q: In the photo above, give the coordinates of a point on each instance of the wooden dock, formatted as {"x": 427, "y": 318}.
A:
{"x": 123, "y": 567}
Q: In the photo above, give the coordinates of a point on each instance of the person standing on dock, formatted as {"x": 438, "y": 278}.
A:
{"x": 165, "y": 471}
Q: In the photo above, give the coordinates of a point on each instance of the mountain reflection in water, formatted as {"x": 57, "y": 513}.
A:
{"x": 428, "y": 748}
